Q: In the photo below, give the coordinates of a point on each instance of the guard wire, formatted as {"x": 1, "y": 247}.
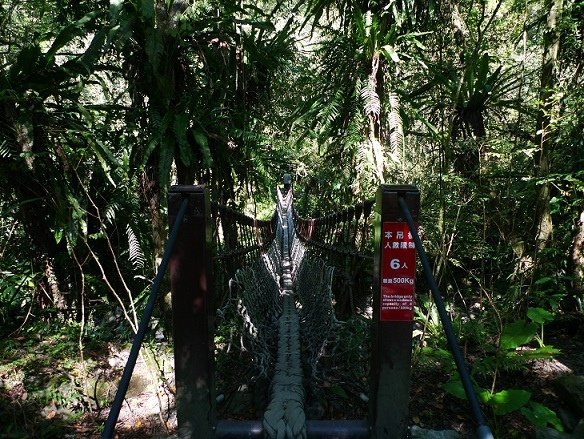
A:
{"x": 483, "y": 431}
{"x": 114, "y": 413}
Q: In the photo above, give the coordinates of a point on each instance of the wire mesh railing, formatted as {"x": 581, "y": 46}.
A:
{"x": 343, "y": 240}
{"x": 346, "y": 232}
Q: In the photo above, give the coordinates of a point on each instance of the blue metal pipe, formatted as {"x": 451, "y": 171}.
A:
{"x": 326, "y": 429}
{"x": 114, "y": 413}
{"x": 483, "y": 431}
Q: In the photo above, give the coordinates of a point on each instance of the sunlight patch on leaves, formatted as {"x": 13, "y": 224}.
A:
{"x": 371, "y": 102}
{"x": 396, "y": 131}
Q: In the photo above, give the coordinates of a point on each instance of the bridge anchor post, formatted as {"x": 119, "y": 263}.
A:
{"x": 192, "y": 310}
{"x": 393, "y": 299}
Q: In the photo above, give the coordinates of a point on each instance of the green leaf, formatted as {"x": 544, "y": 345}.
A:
{"x": 76, "y": 220}
{"x": 507, "y": 401}
{"x": 167, "y": 145}
{"x": 483, "y": 70}
{"x": 390, "y": 53}
{"x": 201, "y": 139}
{"x": 518, "y": 333}
{"x": 543, "y": 280}
{"x": 484, "y": 396}
{"x": 154, "y": 47}
{"x": 180, "y": 126}
{"x": 102, "y": 151}
{"x": 26, "y": 62}
{"x": 139, "y": 162}
{"x": 58, "y": 235}
{"x": 147, "y": 8}
{"x": 418, "y": 44}
{"x": 542, "y": 353}
{"x": 93, "y": 52}
{"x": 69, "y": 32}
{"x": 339, "y": 391}
{"x": 539, "y": 315}
{"x": 540, "y": 416}
{"x": 454, "y": 387}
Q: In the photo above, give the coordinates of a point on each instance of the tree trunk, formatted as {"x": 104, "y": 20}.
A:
{"x": 577, "y": 258}
{"x": 373, "y": 111}
{"x": 36, "y": 198}
{"x": 152, "y": 193}
{"x": 547, "y": 114}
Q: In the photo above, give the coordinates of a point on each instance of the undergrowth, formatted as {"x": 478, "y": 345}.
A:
{"x": 49, "y": 389}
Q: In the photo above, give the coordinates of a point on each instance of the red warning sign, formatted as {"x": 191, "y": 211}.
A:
{"x": 398, "y": 272}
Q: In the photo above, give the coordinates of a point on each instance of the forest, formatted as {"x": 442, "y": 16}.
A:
{"x": 106, "y": 104}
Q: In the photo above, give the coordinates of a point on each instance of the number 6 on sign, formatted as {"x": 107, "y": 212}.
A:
{"x": 395, "y": 264}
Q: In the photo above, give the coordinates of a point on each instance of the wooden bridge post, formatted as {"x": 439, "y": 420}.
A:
{"x": 192, "y": 310}
{"x": 393, "y": 298}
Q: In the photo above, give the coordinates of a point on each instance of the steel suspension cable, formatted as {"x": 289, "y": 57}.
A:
{"x": 483, "y": 430}
{"x": 143, "y": 327}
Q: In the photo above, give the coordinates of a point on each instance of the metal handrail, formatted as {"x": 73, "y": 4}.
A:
{"x": 114, "y": 413}
{"x": 483, "y": 430}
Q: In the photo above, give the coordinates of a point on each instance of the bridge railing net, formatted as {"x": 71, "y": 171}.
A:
{"x": 249, "y": 314}
{"x": 238, "y": 241}
{"x": 313, "y": 280}
{"x": 237, "y": 235}
{"x": 343, "y": 240}
{"x": 247, "y": 269}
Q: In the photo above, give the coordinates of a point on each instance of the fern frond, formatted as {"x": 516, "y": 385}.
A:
{"x": 167, "y": 146}
{"x": 371, "y": 102}
{"x": 154, "y": 48}
{"x": 329, "y": 112}
{"x": 367, "y": 159}
{"x": 156, "y": 119}
{"x": 379, "y": 160}
{"x": 248, "y": 136}
{"x": 361, "y": 159}
{"x": 135, "y": 253}
{"x": 180, "y": 127}
{"x": 396, "y": 130}
{"x": 5, "y": 150}
{"x": 110, "y": 212}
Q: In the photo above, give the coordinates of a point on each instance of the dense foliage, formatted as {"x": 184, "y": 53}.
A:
{"x": 104, "y": 104}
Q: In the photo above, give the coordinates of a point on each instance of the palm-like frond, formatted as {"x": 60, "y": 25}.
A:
{"x": 395, "y": 125}
{"x": 5, "y": 151}
{"x": 330, "y": 112}
{"x": 135, "y": 253}
{"x": 371, "y": 101}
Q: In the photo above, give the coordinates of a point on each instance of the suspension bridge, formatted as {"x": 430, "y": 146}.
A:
{"x": 276, "y": 276}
